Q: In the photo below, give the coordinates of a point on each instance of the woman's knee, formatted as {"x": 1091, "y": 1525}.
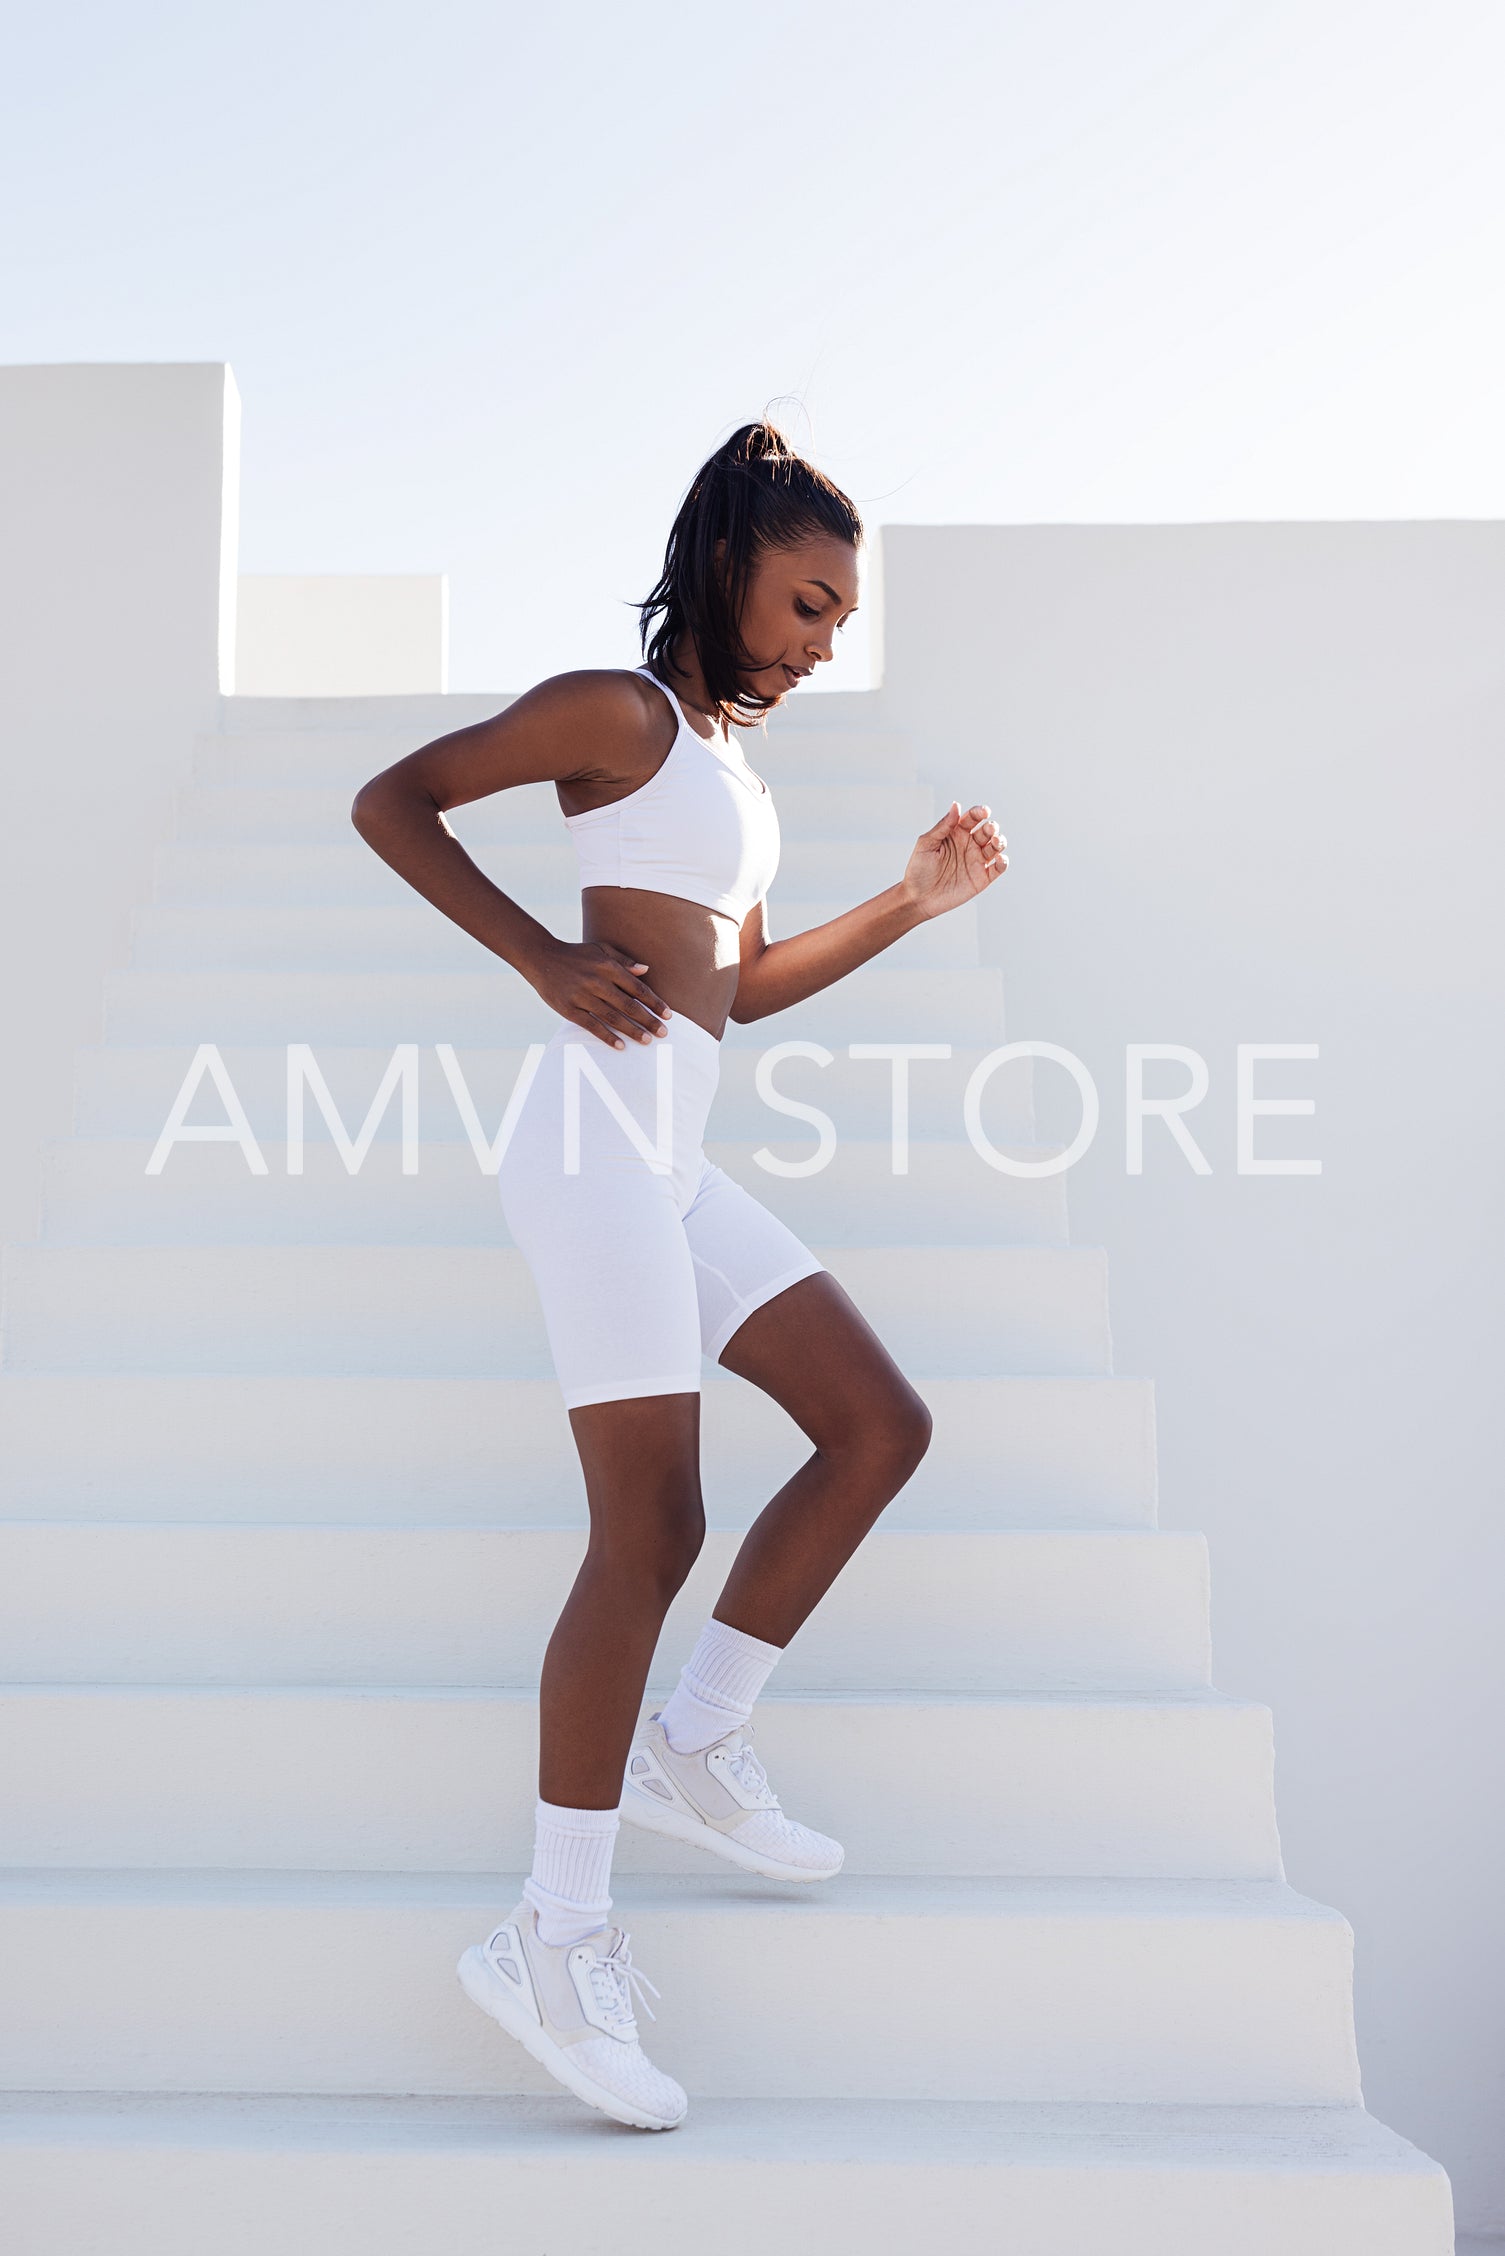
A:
{"x": 887, "y": 1437}
{"x": 641, "y": 1461}
{"x": 652, "y": 1549}
{"x": 909, "y": 1428}
{"x": 679, "y": 1546}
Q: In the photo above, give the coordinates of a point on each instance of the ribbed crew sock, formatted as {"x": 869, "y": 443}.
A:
{"x": 717, "y": 1687}
{"x": 570, "y": 1884}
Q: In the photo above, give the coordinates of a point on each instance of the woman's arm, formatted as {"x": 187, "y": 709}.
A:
{"x": 400, "y": 814}
{"x": 956, "y": 859}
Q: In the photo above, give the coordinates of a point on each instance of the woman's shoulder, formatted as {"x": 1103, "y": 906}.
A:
{"x": 611, "y": 703}
{"x": 629, "y": 725}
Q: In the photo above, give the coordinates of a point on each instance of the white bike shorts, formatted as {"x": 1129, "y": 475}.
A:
{"x": 644, "y": 1254}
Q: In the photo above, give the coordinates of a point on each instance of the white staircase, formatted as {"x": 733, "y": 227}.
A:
{"x": 290, "y": 1503}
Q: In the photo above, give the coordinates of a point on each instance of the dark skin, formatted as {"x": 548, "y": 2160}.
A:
{"x": 598, "y": 736}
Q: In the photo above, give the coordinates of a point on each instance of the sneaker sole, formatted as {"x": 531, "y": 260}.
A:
{"x": 654, "y": 1817}
{"x": 483, "y": 1986}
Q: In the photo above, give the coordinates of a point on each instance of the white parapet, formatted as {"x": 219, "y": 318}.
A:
{"x": 117, "y": 544}
{"x": 342, "y": 634}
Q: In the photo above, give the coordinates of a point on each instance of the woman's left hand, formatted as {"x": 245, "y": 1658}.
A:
{"x": 954, "y": 860}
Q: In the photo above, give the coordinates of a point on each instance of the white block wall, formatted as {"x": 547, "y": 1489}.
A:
{"x": 1252, "y": 784}
{"x": 341, "y": 634}
{"x": 117, "y": 556}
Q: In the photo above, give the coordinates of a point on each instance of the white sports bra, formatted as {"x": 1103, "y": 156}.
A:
{"x": 702, "y": 827}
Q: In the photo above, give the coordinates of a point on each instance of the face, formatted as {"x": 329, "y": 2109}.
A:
{"x": 797, "y": 600}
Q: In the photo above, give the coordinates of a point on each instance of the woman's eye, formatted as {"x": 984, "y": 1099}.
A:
{"x": 805, "y": 610}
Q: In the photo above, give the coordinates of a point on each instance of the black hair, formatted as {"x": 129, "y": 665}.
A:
{"x": 755, "y": 493}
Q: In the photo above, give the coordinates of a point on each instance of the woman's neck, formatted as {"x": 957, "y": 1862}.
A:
{"x": 689, "y": 686}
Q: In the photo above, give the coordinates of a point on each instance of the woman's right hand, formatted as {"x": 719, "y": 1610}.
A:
{"x": 595, "y": 984}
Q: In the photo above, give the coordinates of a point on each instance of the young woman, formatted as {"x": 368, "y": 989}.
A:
{"x": 646, "y": 1258}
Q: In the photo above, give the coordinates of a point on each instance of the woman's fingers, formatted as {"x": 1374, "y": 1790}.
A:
{"x": 992, "y": 845}
{"x": 604, "y": 1019}
{"x": 623, "y": 970}
{"x": 602, "y": 1016}
{"x": 583, "y": 1017}
{"x": 614, "y": 1001}
{"x": 636, "y": 1027}
{"x": 646, "y": 995}
{"x": 630, "y": 1003}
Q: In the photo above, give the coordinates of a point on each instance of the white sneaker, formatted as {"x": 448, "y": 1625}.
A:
{"x": 571, "y": 2006}
{"x": 720, "y": 1799}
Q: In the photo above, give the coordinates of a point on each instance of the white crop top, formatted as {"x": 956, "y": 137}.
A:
{"x": 702, "y": 827}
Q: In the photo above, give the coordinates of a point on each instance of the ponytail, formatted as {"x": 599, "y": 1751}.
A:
{"x": 754, "y": 493}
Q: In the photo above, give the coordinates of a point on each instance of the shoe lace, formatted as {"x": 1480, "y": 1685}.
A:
{"x": 746, "y": 1768}
{"x": 614, "y": 1981}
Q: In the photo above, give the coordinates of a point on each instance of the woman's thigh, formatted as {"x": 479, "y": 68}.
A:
{"x": 607, "y": 1252}
{"x": 811, "y": 1348}
{"x": 774, "y": 1314}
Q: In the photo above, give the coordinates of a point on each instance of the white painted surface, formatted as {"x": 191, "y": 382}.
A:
{"x": 1111, "y": 1785}
{"x": 144, "y": 2176}
{"x": 888, "y": 816}
{"x": 231, "y": 1602}
{"x": 1059, "y": 1452}
{"x": 118, "y": 498}
{"x": 324, "y": 742}
{"x": 1252, "y": 784}
{"x": 948, "y": 1311}
{"x": 169, "y": 936}
{"x": 342, "y": 635}
{"x": 127, "y": 1091}
{"x": 99, "y": 1193}
{"x": 1229, "y": 1992}
{"x": 485, "y": 1006}
{"x": 341, "y": 871}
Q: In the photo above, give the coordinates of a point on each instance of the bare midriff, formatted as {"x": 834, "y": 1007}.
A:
{"x": 693, "y": 954}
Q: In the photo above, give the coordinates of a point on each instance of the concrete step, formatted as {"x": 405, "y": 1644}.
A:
{"x": 221, "y": 1602}
{"x": 124, "y": 1092}
{"x": 343, "y": 871}
{"x": 343, "y": 759}
{"x": 293, "y": 1778}
{"x": 1211, "y": 1992}
{"x": 308, "y": 815}
{"x": 99, "y": 1193}
{"x": 416, "y": 717}
{"x": 412, "y": 718}
{"x": 121, "y": 2174}
{"x": 197, "y": 936}
{"x": 872, "y": 1004}
{"x": 472, "y": 1311}
{"x": 1005, "y": 1453}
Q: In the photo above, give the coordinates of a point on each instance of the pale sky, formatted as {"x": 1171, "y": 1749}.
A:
{"x": 494, "y": 280}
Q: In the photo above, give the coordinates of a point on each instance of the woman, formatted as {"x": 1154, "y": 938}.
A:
{"x": 645, "y": 1255}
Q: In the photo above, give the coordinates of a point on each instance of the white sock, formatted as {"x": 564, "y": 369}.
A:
{"x": 717, "y": 1687}
{"x": 569, "y": 1886}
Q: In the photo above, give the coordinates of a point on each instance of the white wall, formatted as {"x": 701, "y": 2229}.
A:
{"x": 118, "y": 490}
{"x": 1251, "y": 780}
{"x": 342, "y": 636}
